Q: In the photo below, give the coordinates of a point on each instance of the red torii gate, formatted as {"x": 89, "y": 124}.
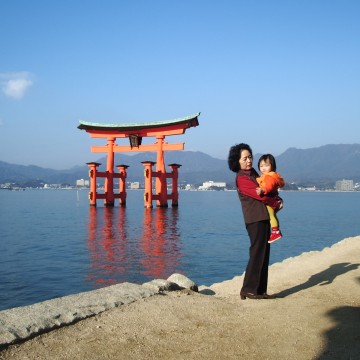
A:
{"x": 135, "y": 133}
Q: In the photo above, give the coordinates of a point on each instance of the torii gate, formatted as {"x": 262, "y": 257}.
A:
{"x": 135, "y": 133}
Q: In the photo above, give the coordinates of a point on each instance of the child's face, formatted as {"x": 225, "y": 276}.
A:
{"x": 265, "y": 166}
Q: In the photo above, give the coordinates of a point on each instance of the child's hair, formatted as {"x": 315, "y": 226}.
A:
{"x": 270, "y": 158}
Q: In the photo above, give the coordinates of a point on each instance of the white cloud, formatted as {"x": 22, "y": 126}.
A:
{"x": 15, "y": 85}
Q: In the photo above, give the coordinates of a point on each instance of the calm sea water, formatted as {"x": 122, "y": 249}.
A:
{"x": 52, "y": 243}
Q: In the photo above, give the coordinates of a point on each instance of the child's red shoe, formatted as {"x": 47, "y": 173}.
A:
{"x": 275, "y": 235}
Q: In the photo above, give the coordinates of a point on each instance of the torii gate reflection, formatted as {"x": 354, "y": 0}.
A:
{"x": 120, "y": 252}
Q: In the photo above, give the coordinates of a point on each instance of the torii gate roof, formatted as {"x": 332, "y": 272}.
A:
{"x": 183, "y": 123}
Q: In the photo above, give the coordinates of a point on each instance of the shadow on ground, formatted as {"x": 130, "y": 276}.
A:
{"x": 343, "y": 339}
{"x": 322, "y": 278}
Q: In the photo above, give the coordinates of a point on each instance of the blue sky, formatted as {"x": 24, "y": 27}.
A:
{"x": 273, "y": 74}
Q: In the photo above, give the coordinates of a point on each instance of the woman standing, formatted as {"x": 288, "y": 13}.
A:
{"x": 257, "y": 222}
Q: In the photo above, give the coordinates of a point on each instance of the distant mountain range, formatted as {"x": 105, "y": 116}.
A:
{"x": 319, "y": 166}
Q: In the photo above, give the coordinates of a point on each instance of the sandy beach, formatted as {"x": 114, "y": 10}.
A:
{"x": 316, "y": 316}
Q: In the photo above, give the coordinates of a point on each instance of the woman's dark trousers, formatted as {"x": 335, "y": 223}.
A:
{"x": 256, "y": 275}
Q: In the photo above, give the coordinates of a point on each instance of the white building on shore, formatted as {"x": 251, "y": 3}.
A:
{"x": 345, "y": 185}
{"x": 211, "y": 184}
{"x": 135, "y": 185}
{"x": 82, "y": 183}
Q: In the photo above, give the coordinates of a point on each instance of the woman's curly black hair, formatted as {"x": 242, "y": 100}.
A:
{"x": 234, "y": 156}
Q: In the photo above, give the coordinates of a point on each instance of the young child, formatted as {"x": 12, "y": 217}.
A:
{"x": 269, "y": 183}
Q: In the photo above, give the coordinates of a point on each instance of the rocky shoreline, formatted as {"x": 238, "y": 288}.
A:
{"x": 22, "y": 323}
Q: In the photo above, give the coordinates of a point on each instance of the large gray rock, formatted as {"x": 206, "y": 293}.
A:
{"x": 183, "y": 282}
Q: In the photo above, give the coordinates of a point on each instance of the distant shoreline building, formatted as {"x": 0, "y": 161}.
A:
{"x": 135, "y": 185}
{"x": 207, "y": 185}
{"x": 344, "y": 185}
{"x": 82, "y": 183}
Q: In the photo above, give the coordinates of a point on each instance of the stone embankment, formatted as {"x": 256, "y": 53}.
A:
{"x": 22, "y": 323}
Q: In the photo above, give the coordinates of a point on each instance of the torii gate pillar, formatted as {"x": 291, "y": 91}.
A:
{"x": 174, "y": 175}
{"x": 122, "y": 184}
{"x": 161, "y": 184}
